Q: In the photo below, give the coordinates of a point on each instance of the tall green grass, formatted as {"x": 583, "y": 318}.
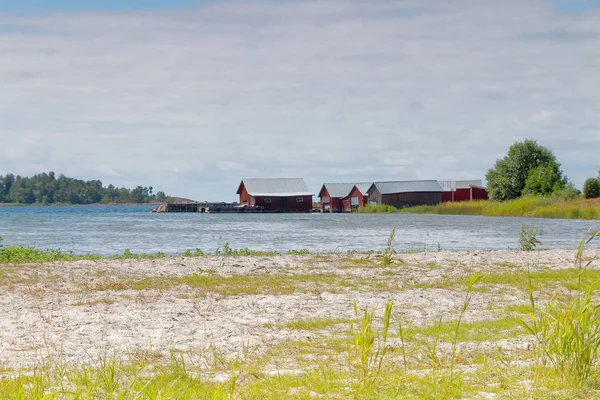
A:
{"x": 370, "y": 346}
{"x": 527, "y": 206}
{"x": 567, "y": 335}
{"x": 387, "y": 257}
{"x": 377, "y": 208}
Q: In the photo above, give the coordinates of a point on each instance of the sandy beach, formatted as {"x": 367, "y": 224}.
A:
{"x": 81, "y": 311}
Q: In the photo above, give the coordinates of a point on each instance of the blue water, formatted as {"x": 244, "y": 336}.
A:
{"x": 109, "y": 230}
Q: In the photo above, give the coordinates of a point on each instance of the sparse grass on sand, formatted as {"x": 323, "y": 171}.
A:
{"x": 443, "y": 325}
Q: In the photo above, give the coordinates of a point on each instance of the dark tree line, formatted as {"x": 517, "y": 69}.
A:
{"x": 46, "y": 188}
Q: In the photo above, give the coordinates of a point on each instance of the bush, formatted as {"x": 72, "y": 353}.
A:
{"x": 591, "y": 188}
{"x": 528, "y": 237}
{"x": 567, "y": 193}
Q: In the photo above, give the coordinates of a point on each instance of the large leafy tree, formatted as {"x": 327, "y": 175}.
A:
{"x": 528, "y": 168}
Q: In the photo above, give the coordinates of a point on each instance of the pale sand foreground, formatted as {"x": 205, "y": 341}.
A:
{"x": 83, "y": 310}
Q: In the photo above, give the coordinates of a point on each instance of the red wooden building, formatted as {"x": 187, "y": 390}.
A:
{"x": 278, "y": 194}
{"x": 466, "y": 190}
{"x": 343, "y": 197}
{"x": 406, "y": 193}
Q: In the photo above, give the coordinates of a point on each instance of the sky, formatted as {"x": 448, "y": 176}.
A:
{"x": 190, "y": 97}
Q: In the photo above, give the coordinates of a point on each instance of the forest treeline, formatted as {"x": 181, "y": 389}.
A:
{"x": 46, "y": 188}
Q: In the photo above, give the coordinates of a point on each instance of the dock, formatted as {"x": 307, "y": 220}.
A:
{"x": 206, "y": 207}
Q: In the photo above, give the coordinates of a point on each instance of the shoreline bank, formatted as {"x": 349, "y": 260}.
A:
{"x": 255, "y": 321}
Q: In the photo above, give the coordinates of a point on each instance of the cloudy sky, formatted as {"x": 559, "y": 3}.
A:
{"x": 192, "y": 96}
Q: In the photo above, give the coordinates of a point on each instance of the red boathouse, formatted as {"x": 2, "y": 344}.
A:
{"x": 343, "y": 197}
{"x": 277, "y": 194}
{"x": 466, "y": 190}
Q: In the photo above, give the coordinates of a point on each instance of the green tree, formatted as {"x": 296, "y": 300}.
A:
{"x": 528, "y": 168}
{"x": 591, "y": 188}
{"x": 161, "y": 196}
{"x": 544, "y": 180}
{"x": 137, "y": 195}
{"x": 45, "y": 188}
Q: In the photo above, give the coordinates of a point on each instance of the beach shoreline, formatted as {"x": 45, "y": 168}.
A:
{"x": 78, "y": 310}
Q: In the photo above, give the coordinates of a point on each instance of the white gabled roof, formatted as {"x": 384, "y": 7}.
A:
{"x": 275, "y": 187}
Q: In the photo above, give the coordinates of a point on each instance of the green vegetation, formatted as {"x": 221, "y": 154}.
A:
{"x": 379, "y": 357}
{"x": 527, "y": 206}
{"x": 568, "y": 335}
{"x": 474, "y": 279}
{"x": 591, "y": 188}
{"x": 377, "y": 208}
{"x": 45, "y": 188}
{"x": 528, "y": 169}
{"x": 30, "y": 255}
{"x": 527, "y": 182}
{"x": 387, "y": 257}
{"x": 528, "y": 237}
{"x": 312, "y": 324}
{"x": 227, "y": 250}
{"x": 366, "y": 353}
{"x": 18, "y": 254}
{"x": 205, "y": 282}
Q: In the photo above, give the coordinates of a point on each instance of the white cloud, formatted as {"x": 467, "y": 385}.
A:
{"x": 191, "y": 101}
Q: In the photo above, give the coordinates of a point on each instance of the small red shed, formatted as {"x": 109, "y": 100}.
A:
{"x": 276, "y": 194}
{"x": 343, "y": 197}
{"x": 465, "y": 190}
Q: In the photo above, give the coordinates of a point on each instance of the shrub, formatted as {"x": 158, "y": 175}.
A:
{"x": 388, "y": 253}
{"x": 591, "y": 188}
{"x": 567, "y": 193}
{"x": 528, "y": 237}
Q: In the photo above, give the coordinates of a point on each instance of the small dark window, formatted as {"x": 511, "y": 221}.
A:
{"x": 299, "y": 199}
{"x": 267, "y": 200}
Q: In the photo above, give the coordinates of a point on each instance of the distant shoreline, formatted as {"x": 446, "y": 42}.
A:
{"x": 77, "y": 205}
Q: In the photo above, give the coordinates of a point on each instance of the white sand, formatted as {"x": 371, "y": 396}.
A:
{"x": 53, "y": 310}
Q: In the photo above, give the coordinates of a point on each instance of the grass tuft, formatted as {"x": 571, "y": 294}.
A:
{"x": 567, "y": 336}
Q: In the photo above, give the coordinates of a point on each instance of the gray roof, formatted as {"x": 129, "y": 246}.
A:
{"x": 408, "y": 186}
{"x": 275, "y": 187}
{"x": 343, "y": 189}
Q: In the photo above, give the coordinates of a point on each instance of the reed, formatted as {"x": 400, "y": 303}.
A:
{"x": 370, "y": 346}
{"x": 387, "y": 257}
{"x": 526, "y": 206}
{"x": 377, "y": 209}
{"x": 468, "y": 296}
{"x": 567, "y": 335}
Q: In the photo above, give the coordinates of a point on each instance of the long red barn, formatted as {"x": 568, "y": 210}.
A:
{"x": 276, "y": 194}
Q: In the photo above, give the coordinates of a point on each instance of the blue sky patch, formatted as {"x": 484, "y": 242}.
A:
{"x": 575, "y": 6}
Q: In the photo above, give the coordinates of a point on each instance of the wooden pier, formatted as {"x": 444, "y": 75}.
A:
{"x": 206, "y": 207}
{"x": 186, "y": 207}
